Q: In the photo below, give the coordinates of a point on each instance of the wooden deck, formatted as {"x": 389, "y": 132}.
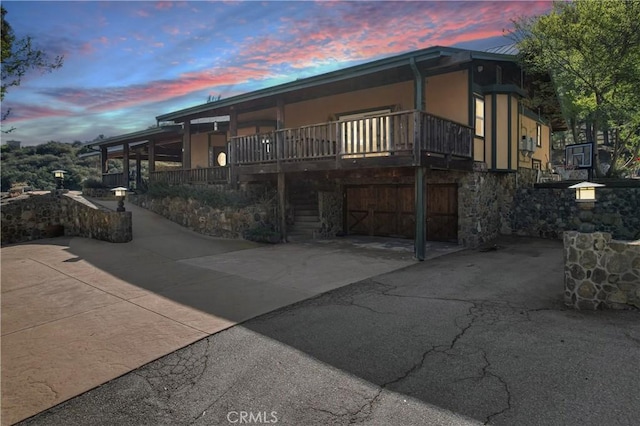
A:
{"x": 400, "y": 139}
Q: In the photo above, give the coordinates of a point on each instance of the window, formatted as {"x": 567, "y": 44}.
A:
{"x": 538, "y": 135}
{"x": 479, "y": 108}
{"x": 366, "y": 134}
{"x": 217, "y": 156}
{"x": 536, "y": 164}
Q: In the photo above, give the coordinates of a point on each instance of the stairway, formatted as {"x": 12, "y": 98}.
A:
{"x": 306, "y": 219}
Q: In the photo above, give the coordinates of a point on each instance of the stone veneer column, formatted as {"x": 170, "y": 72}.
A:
{"x": 600, "y": 272}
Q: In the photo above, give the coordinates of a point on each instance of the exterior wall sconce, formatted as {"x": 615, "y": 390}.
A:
{"x": 59, "y": 176}
{"x": 120, "y": 193}
{"x": 586, "y": 199}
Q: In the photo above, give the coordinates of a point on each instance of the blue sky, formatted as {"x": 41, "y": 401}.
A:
{"x": 126, "y": 62}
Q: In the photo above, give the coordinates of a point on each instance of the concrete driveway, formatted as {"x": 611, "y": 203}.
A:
{"x": 468, "y": 338}
{"x": 77, "y": 313}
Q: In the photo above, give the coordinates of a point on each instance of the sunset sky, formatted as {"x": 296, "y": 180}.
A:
{"x": 126, "y": 62}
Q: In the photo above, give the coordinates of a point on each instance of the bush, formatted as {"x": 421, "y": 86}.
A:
{"x": 94, "y": 184}
{"x": 262, "y": 233}
{"x": 209, "y": 196}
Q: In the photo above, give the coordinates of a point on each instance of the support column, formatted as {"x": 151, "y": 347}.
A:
{"x": 151, "y": 157}
{"x": 138, "y": 169}
{"x": 233, "y": 131}
{"x": 125, "y": 165}
{"x": 186, "y": 146}
{"x": 421, "y": 229}
{"x": 420, "y": 240}
{"x": 103, "y": 160}
{"x": 282, "y": 206}
{"x": 279, "y": 142}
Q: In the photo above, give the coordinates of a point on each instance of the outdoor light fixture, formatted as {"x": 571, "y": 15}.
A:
{"x": 586, "y": 191}
{"x": 59, "y": 175}
{"x": 120, "y": 193}
{"x": 586, "y": 198}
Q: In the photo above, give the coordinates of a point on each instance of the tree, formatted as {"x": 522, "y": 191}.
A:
{"x": 18, "y": 57}
{"x": 591, "y": 49}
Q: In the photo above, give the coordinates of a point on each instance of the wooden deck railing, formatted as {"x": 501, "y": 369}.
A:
{"x": 201, "y": 175}
{"x": 387, "y": 134}
{"x": 113, "y": 180}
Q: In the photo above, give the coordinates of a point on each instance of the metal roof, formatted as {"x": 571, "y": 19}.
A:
{"x": 405, "y": 59}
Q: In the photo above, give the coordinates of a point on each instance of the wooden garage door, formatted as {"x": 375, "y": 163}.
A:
{"x": 442, "y": 212}
{"x": 381, "y": 210}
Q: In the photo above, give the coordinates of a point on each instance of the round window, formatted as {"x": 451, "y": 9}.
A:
{"x": 222, "y": 159}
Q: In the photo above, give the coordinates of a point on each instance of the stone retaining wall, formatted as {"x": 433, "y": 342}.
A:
{"x": 548, "y": 212}
{"x": 601, "y": 272}
{"x": 227, "y": 222}
{"x": 45, "y": 215}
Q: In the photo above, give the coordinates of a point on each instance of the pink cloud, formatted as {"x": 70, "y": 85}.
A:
{"x": 164, "y": 5}
{"x": 23, "y": 111}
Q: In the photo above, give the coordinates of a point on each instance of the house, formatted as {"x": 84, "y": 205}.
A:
{"x": 428, "y": 145}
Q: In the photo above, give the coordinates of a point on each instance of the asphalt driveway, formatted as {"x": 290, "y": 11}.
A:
{"x": 468, "y": 338}
{"x": 77, "y": 313}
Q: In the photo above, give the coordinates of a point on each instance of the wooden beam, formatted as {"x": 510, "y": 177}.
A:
{"x": 421, "y": 229}
{"x": 282, "y": 206}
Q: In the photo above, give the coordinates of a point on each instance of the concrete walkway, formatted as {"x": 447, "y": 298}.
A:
{"x": 77, "y": 313}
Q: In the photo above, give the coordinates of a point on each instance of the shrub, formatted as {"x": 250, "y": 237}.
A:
{"x": 262, "y": 233}
{"x": 212, "y": 197}
{"x": 94, "y": 184}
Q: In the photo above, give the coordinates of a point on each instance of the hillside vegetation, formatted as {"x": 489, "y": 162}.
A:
{"x": 33, "y": 165}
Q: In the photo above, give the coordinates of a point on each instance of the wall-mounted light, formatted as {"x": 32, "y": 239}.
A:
{"x": 120, "y": 193}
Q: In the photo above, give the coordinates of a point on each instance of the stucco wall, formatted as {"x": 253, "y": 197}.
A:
{"x": 32, "y": 217}
{"x": 447, "y": 95}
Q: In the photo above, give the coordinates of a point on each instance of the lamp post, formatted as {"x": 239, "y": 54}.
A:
{"x": 59, "y": 176}
{"x": 120, "y": 193}
{"x": 586, "y": 199}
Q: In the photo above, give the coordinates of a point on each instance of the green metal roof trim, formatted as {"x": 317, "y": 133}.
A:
{"x": 141, "y": 135}
{"x": 333, "y": 76}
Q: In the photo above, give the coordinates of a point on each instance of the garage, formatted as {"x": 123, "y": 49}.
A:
{"x": 388, "y": 211}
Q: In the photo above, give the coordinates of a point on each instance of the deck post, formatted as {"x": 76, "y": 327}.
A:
{"x": 151, "y": 157}
{"x": 282, "y": 206}
{"x": 104, "y": 160}
{"x": 125, "y": 165}
{"x": 421, "y": 230}
{"x": 231, "y": 152}
{"x": 138, "y": 169}
{"x": 186, "y": 146}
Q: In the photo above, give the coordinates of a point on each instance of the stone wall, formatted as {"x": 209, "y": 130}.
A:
{"x": 601, "y": 272}
{"x": 548, "y": 212}
{"x": 46, "y": 215}
{"x": 330, "y": 208}
{"x": 227, "y": 222}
